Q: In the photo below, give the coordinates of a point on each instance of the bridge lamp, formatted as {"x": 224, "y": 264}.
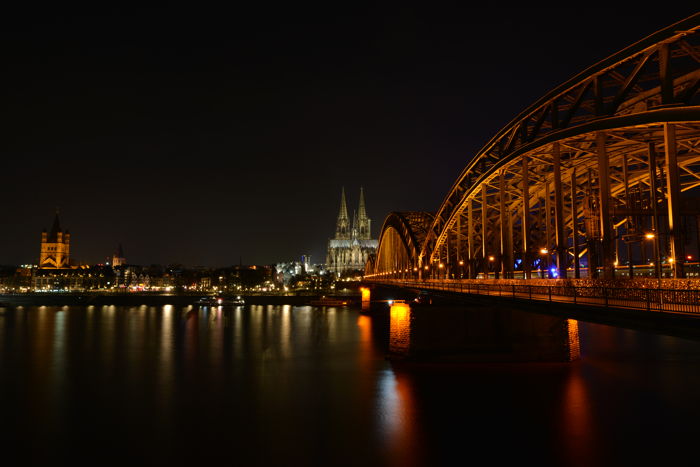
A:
{"x": 649, "y": 236}
{"x": 426, "y": 268}
{"x": 415, "y": 269}
{"x": 441, "y": 265}
{"x": 544, "y": 251}
{"x": 670, "y": 260}
{"x": 461, "y": 263}
{"x": 491, "y": 258}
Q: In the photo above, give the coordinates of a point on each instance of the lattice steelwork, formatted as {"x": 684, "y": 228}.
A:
{"x": 402, "y": 237}
{"x": 602, "y": 169}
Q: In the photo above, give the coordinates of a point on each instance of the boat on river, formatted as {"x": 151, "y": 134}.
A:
{"x": 213, "y": 300}
{"x": 330, "y": 301}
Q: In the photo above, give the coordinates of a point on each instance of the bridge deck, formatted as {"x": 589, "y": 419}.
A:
{"x": 649, "y": 299}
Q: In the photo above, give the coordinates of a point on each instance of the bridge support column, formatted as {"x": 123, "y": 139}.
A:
{"x": 506, "y": 248}
{"x": 484, "y": 231}
{"x": 606, "y": 233}
{"x": 574, "y": 225}
{"x": 447, "y": 268}
{"x": 560, "y": 237}
{"x": 655, "y": 211}
{"x": 366, "y": 298}
{"x": 471, "y": 264}
{"x": 674, "y": 199}
{"x": 592, "y": 244}
{"x": 459, "y": 262}
{"x": 547, "y": 229}
{"x": 625, "y": 176}
{"x": 527, "y": 265}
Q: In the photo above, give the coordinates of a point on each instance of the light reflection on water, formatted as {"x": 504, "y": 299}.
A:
{"x": 311, "y": 386}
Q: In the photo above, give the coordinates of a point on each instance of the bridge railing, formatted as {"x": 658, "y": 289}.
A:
{"x": 650, "y": 299}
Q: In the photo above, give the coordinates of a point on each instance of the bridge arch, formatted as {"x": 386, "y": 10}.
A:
{"x": 593, "y": 175}
{"x": 400, "y": 242}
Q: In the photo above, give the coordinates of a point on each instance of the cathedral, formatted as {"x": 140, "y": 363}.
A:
{"x": 55, "y": 247}
{"x": 352, "y": 244}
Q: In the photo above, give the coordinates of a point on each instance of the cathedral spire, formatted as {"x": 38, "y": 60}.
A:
{"x": 364, "y": 223}
{"x": 342, "y": 225}
{"x": 361, "y": 211}
{"x": 343, "y": 214}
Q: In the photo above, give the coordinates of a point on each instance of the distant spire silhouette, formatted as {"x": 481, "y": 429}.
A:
{"x": 362, "y": 214}
{"x": 342, "y": 225}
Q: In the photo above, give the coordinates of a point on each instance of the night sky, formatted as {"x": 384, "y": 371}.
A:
{"x": 206, "y": 137}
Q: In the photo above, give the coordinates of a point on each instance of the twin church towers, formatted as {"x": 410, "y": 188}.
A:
{"x": 353, "y": 243}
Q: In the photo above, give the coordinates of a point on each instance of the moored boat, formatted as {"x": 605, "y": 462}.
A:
{"x": 330, "y": 301}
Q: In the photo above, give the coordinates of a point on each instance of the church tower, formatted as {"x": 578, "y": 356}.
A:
{"x": 118, "y": 258}
{"x": 55, "y": 247}
{"x": 342, "y": 227}
{"x": 364, "y": 227}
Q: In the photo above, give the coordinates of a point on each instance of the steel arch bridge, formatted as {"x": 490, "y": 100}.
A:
{"x": 598, "y": 173}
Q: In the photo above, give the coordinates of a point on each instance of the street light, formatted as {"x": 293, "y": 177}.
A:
{"x": 491, "y": 260}
{"x": 544, "y": 252}
{"x": 658, "y": 267}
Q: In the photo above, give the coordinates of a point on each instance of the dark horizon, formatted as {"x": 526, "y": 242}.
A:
{"x": 204, "y": 137}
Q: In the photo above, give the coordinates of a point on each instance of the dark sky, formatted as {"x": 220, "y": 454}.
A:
{"x": 200, "y": 136}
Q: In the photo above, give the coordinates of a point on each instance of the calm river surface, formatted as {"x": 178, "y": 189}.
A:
{"x": 282, "y": 385}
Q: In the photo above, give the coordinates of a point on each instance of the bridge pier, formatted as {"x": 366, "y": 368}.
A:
{"x": 479, "y": 333}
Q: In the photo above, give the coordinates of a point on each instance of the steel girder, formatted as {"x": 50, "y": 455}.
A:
{"x": 537, "y": 215}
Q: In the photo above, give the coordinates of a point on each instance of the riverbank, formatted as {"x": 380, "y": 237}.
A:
{"x": 137, "y": 299}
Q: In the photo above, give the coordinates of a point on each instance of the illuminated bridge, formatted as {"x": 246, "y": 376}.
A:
{"x": 597, "y": 180}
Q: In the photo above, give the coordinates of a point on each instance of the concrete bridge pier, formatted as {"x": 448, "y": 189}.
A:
{"x": 479, "y": 333}
{"x": 375, "y": 297}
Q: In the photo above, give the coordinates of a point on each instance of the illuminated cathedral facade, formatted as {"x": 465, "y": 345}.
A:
{"x": 353, "y": 243}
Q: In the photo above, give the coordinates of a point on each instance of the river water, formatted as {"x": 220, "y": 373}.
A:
{"x": 282, "y": 385}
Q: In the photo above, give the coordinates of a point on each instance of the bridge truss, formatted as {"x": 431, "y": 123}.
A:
{"x": 602, "y": 171}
